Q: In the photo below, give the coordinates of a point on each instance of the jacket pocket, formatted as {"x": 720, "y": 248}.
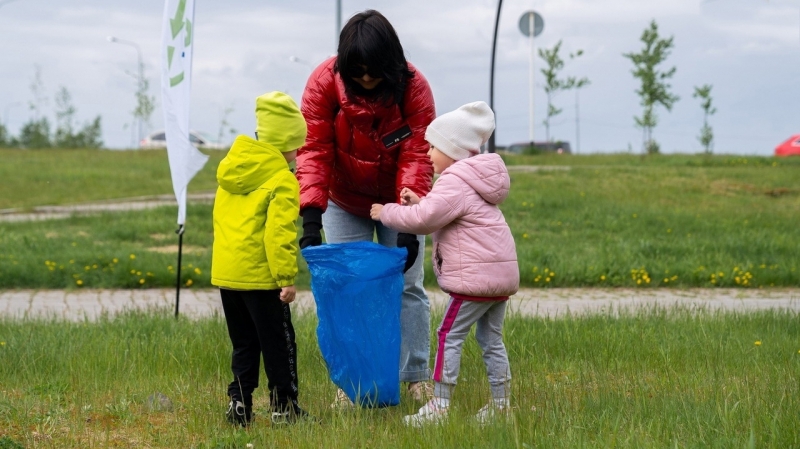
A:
{"x": 437, "y": 260}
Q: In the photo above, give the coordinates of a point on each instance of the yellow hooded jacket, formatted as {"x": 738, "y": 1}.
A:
{"x": 255, "y": 214}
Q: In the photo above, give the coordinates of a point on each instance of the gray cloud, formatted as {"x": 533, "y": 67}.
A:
{"x": 742, "y": 47}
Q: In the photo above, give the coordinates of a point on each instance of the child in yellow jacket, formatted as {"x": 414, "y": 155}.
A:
{"x": 254, "y": 260}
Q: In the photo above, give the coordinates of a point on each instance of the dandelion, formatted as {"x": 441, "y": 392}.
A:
{"x": 72, "y": 261}
{"x": 79, "y": 282}
{"x": 189, "y": 283}
{"x": 669, "y": 230}
{"x": 524, "y": 203}
{"x": 115, "y": 260}
{"x": 169, "y": 267}
{"x": 197, "y": 271}
{"x": 603, "y": 278}
{"x": 547, "y": 279}
{"x": 552, "y": 274}
{"x": 141, "y": 281}
{"x": 133, "y": 256}
{"x": 2, "y": 343}
{"x": 634, "y": 215}
{"x": 524, "y": 236}
{"x": 758, "y": 343}
{"x": 666, "y": 280}
{"x": 133, "y": 271}
{"x": 74, "y": 244}
{"x": 94, "y": 266}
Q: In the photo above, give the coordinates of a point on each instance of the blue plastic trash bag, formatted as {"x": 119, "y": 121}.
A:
{"x": 357, "y": 287}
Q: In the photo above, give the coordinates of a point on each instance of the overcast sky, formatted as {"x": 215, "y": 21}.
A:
{"x": 749, "y": 50}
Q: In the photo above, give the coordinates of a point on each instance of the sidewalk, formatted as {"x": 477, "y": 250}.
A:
{"x": 78, "y": 305}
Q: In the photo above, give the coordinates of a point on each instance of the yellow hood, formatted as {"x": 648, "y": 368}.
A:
{"x": 248, "y": 165}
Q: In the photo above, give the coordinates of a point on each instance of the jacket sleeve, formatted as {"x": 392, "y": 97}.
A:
{"x": 280, "y": 236}
{"x": 315, "y": 158}
{"x": 414, "y": 168}
{"x": 439, "y": 208}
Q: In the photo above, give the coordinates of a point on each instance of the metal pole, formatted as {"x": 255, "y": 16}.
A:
{"x": 179, "y": 231}
{"x": 491, "y": 147}
{"x": 139, "y": 78}
{"x": 338, "y": 21}
{"x": 530, "y": 78}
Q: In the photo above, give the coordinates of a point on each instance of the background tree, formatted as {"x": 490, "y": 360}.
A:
{"x": 224, "y": 125}
{"x": 65, "y": 114}
{"x": 145, "y": 104}
{"x": 579, "y": 84}
{"x": 654, "y": 89}
{"x": 706, "y": 136}
{"x": 554, "y": 84}
{"x": 4, "y": 136}
{"x": 36, "y": 132}
{"x": 65, "y": 135}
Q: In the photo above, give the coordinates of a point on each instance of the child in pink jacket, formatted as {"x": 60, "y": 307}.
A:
{"x": 474, "y": 257}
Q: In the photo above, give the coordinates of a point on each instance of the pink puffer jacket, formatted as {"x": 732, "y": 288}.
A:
{"x": 473, "y": 249}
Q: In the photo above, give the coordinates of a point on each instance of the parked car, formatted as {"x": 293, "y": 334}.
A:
{"x": 539, "y": 147}
{"x": 789, "y": 148}
{"x": 159, "y": 140}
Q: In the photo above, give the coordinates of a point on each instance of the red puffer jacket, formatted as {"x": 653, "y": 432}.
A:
{"x": 346, "y": 158}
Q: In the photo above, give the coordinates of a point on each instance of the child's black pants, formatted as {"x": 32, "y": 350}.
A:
{"x": 260, "y": 323}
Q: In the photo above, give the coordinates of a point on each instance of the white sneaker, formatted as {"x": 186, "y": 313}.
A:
{"x": 430, "y": 413}
{"x": 490, "y": 413}
{"x": 342, "y": 401}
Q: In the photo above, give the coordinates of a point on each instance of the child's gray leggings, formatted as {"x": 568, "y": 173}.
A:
{"x": 459, "y": 317}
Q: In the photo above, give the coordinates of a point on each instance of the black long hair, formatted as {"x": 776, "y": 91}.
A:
{"x": 369, "y": 40}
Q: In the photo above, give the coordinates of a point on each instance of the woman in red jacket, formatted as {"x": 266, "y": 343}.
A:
{"x": 367, "y": 110}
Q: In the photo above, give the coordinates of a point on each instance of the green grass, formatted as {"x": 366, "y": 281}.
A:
{"x": 57, "y": 176}
{"x": 656, "y": 378}
{"x": 668, "y": 221}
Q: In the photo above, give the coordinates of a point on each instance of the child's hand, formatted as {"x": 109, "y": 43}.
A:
{"x": 407, "y": 197}
{"x": 288, "y": 294}
{"x": 375, "y": 212}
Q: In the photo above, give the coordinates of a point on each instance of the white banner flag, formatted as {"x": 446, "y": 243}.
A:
{"x": 176, "y": 87}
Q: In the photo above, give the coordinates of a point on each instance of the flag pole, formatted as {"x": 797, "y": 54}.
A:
{"x": 178, "y": 231}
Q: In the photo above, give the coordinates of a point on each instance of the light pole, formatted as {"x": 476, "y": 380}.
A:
{"x": 491, "y": 148}
{"x": 139, "y": 78}
{"x": 338, "y": 22}
{"x": 300, "y": 61}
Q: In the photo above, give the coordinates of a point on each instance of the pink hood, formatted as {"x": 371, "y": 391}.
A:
{"x": 473, "y": 249}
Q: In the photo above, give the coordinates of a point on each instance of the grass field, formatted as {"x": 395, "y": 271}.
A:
{"x": 57, "y": 176}
{"x": 605, "y": 220}
{"x": 654, "y": 379}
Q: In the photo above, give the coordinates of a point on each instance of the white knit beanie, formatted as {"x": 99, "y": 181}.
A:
{"x": 459, "y": 134}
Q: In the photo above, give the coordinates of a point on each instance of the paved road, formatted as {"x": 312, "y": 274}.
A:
{"x": 78, "y": 305}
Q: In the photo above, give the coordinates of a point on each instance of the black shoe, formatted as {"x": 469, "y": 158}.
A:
{"x": 291, "y": 415}
{"x": 238, "y": 413}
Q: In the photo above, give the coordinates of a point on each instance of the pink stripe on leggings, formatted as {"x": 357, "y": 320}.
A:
{"x": 447, "y": 325}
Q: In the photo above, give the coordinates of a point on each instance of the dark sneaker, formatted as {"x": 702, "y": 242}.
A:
{"x": 238, "y": 413}
{"x": 293, "y": 415}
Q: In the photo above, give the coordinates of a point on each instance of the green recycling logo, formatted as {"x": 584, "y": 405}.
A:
{"x": 177, "y": 24}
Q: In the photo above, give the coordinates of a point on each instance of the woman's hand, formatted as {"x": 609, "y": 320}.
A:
{"x": 375, "y": 212}
{"x": 407, "y": 197}
{"x": 288, "y": 294}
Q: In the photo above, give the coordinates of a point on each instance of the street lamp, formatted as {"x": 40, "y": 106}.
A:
{"x": 300, "y": 61}
{"x": 140, "y": 76}
{"x": 491, "y": 147}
